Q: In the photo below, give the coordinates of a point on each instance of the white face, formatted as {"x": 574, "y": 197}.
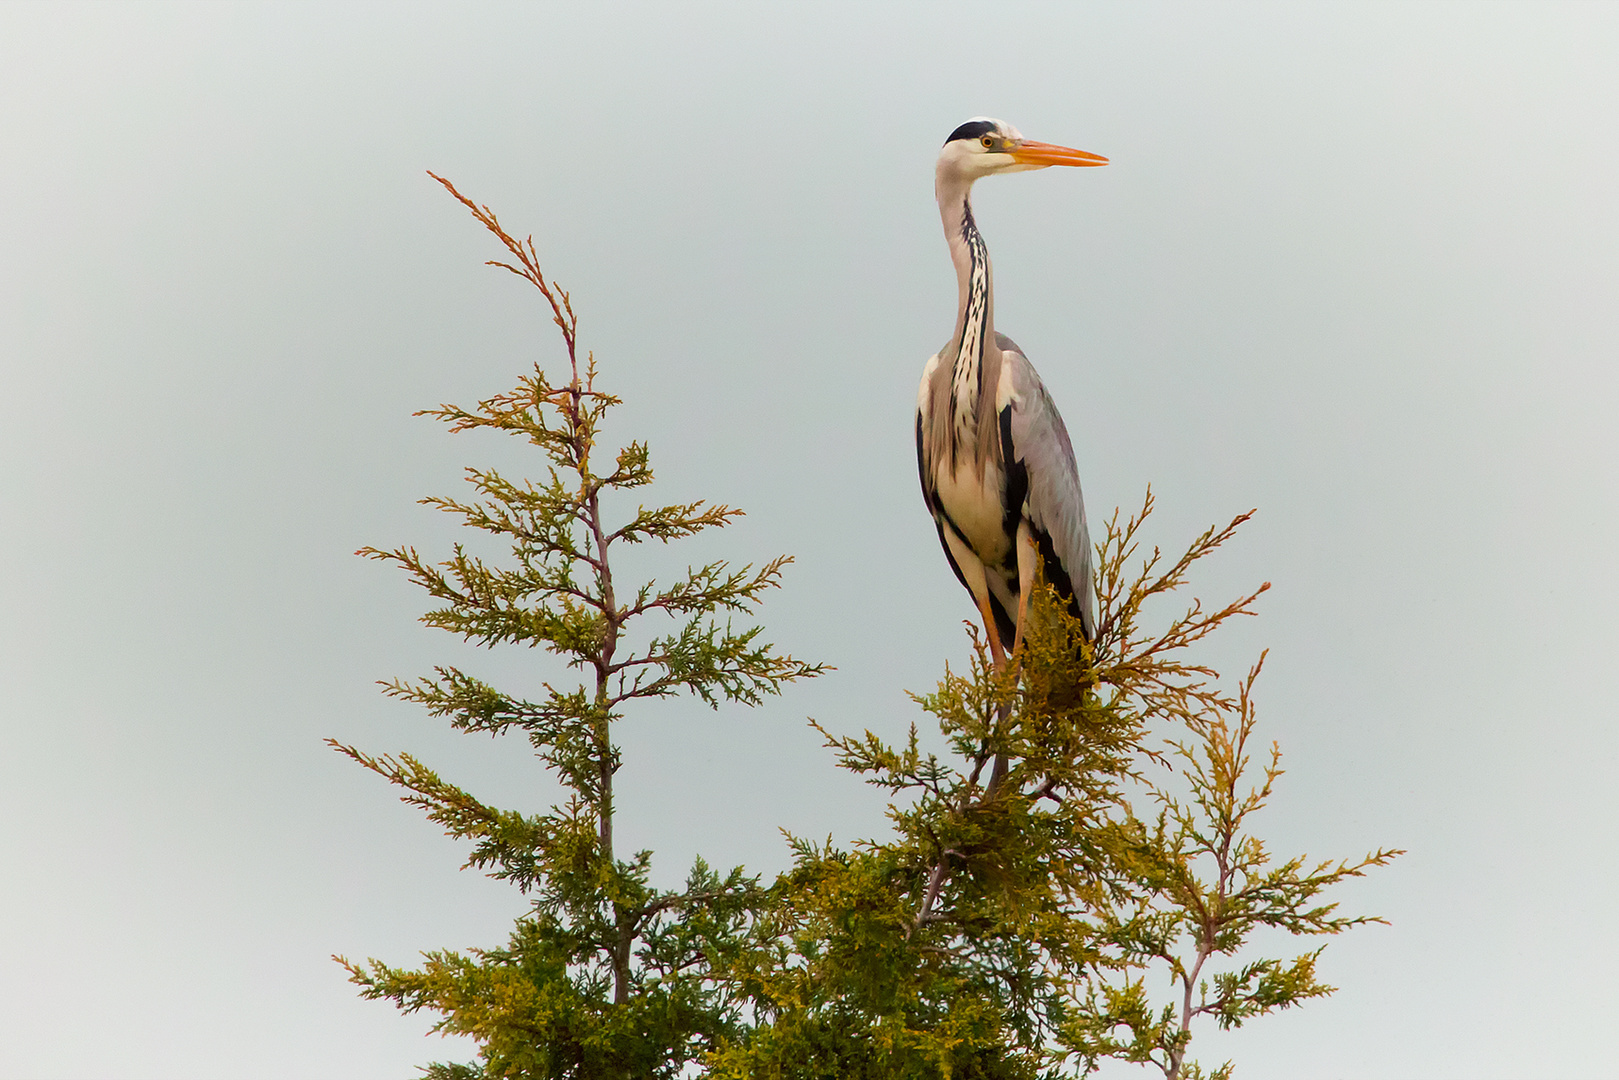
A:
{"x": 985, "y": 154}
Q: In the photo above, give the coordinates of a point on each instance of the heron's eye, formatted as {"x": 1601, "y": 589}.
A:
{"x": 988, "y": 141}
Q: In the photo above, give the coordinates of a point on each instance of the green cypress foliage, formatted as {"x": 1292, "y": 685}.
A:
{"x": 606, "y": 976}
{"x": 1081, "y": 838}
{"x": 1009, "y": 927}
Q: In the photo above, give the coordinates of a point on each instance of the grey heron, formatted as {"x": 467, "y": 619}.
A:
{"x": 997, "y": 467}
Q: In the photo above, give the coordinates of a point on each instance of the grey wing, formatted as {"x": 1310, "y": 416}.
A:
{"x": 1033, "y": 436}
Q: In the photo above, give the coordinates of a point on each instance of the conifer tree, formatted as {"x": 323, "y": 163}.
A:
{"x": 1009, "y": 930}
{"x": 606, "y": 976}
{"x": 1015, "y": 925}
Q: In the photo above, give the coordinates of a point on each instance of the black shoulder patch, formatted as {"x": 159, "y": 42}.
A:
{"x": 971, "y": 130}
{"x": 1017, "y": 487}
{"x": 922, "y": 465}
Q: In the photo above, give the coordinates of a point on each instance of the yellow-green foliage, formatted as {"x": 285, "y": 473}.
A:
{"x": 1083, "y": 839}
{"x": 1008, "y": 924}
{"x": 605, "y": 976}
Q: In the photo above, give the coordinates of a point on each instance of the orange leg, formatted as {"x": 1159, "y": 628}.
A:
{"x": 997, "y": 651}
{"x": 997, "y": 771}
{"x": 1028, "y": 562}
{"x": 1028, "y": 554}
{"x": 1022, "y": 610}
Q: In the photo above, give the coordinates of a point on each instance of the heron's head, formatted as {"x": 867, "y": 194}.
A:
{"x": 983, "y": 147}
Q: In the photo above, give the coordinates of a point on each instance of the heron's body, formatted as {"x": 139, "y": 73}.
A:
{"x": 997, "y": 467}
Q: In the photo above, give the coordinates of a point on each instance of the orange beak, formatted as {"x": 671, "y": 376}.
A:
{"x": 1042, "y": 154}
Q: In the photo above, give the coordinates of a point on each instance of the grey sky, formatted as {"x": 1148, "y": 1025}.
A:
{"x": 1354, "y": 265}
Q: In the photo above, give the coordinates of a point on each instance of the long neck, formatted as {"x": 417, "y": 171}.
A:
{"x": 975, "y": 293}
{"x": 976, "y": 366}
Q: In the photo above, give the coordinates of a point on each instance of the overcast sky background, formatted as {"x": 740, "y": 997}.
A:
{"x": 1353, "y": 265}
